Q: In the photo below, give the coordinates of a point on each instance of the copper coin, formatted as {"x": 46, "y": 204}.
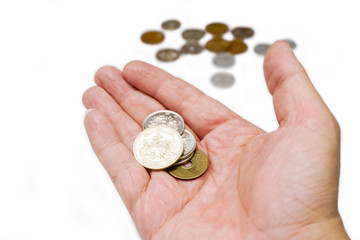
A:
{"x": 217, "y": 45}
{"x": 237, "y": 47}
{"x": 242, "y": 32}
{"x": 171, "y": 24}
{"x": 193, "y": 34}
{"x": 152, "y": 37}
{"x": 217, "y": 28}
{"x": 167, "y": 55}
{"x": 191, "y": 48}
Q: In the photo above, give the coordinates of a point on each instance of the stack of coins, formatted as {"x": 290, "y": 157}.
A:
{"x": 165, "y": 144}
{"x": 217, "y": 43}
{"x": 192, "y": 37}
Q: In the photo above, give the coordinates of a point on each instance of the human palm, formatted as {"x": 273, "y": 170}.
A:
{"x": 259, "y": 185}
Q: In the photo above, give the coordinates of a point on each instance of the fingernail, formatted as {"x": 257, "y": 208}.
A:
{"x": 89, "y": 110}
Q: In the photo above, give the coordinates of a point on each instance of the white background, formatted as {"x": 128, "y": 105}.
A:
{"x": 51, "y": 184}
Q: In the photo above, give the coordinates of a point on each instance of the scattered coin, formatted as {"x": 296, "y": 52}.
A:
{"x": 217, "y": 28}
{"x": 242, "y": 32}
{"x": 165, "y": 117}
{"x": 291, "y": 43}
{"x": 171, "y": 24}
{"x": 191, "y": 48}
{"x": 217, "y": 45}
{"x": 167, "y": 55}
{"x": 224, "y": 60}
{"x": 152, "y": 37}
{"x": 223, "y": 80}
{"x": 199, "y": 165}
{"x": 193, "y": 34}
{"x": 158, "y": 147}
{"x": 261, "y": 48}
{"x": 236, "y": 46}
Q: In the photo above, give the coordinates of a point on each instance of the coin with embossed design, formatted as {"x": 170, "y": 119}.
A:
{"x": 171, "y": 24}
{"x": 189, "y": 142}
{"x": 165, "y": 117}
{"x": 199, "y": 165}
{"x": 182, "y": 161}
{"x": 167, "y": 55}
{"x": 158, "y": 147}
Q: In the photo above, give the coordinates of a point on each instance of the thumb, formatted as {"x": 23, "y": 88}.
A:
{"x": 295, "y": 98}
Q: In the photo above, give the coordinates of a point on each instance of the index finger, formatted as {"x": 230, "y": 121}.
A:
{"x": 202, "y": 113}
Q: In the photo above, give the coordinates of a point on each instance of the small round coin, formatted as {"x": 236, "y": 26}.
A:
{"x": 217, "y": 45}
{"x": 217, "y": 28}
{"x": 152, "y": 37}
{"x": 193, "y": 34}
{"x": 261, "y": 48}
{"x": 224, "y": 60}
{"x": 182, "y": 161}
{"x": 222, "y": 80}
{"x": 199, "y": 165}
{"x": 167, "y": 55}
{"x": 189, "y": 142}
{"x": 242, "y": 32}
{"x": 291, "y": 43}
{"x": 171, "y": 24}
{"x": 191, "y": 48}
{"x": 158, "y": 147}
{"x": 167, "y": 118}
{"x": 237, "y": 47}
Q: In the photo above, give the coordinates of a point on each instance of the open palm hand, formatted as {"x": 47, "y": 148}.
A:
{"x": 259, "y": 185}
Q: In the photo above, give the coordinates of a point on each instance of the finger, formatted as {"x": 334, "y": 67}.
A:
{"x": 295, "y": 98}
{"x": 201, "y": 113}
{"x": 96, "y": 97}
{"x": 135, "y": 103}
{"x": 129, "y": 177}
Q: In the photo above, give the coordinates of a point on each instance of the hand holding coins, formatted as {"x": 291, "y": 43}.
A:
{"x": 165, "y": 144}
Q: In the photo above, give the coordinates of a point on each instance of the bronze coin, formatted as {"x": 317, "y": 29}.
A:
{"x": 242, "y": 32}
{"x": 199, "y": 165}
{"x": 217, "y": 28}
{"x": 191, "y": 48}
{"x": 152, "y": 37}
{"x": 167, "y": 55}
{"x": 217, "y": 45}
{"x": 236, "y": 47}
{"x": 193, "y": 34}
{"x": 171, "y": 24}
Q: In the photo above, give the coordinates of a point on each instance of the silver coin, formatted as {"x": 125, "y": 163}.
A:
{"x": 158, "y": 147}
{"x": 167, "y": 55}
{"x": 167, "y": 118}
{"x": 291, "y": 43}
{"x": 185, "y": 160}
{"x": 191, "y": 48}
{"x": 189, "y": 142}
{"x": 223, "y": 80}
{"x": 224, "y": 60}
{"x": 171, "y": 24}
{"x": 193, "y": 34}
{"x": 261, "y": 48}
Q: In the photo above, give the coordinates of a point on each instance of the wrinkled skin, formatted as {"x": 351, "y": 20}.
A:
{"x": 259, "y": 185}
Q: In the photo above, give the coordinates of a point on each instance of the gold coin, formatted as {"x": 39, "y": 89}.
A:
{"x": 217, "y": 28}
{"x": 152, "y": 37}
{"x": 217, "y": 45}
{"x": 199, "y": 165}
{"x": 236, "y": 47}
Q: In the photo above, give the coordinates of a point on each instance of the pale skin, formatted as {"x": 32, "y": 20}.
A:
{"x": 259, "y": 185}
